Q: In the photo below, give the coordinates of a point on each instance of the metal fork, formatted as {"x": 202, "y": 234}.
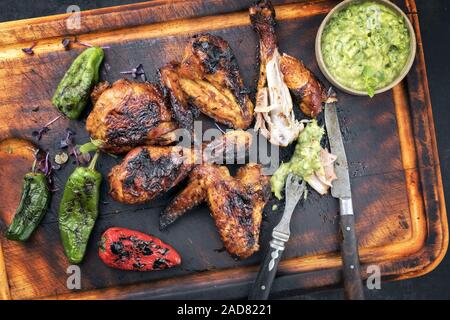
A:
{"x": 295, "y": 188}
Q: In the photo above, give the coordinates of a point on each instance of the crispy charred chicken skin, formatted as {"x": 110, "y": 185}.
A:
{"x": 208, "y": 80}
{"x": 280, "y": 75}
{"x": 127, "y": 114}
{"x": 303, "y": 85}
{"x": 236, "y": 204}
{"x": 148, "y": 171}
{"x": 184, "y": 111}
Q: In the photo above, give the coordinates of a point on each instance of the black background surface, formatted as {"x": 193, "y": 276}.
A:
{"x": 435, "y": 28}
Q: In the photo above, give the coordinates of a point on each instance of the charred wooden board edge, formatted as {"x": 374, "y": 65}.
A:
{"x": 435, "y": 204}
{"x": 95, "y": 20}
{"x": 4, "y": 286}
{"x": 154, "y": 30}
{"x": 150, "y": 12}
{"x": 426, "y": 248}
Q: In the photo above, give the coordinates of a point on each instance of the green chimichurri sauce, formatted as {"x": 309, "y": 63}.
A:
{"x": 366, "y": 46}
{"x": 304, "y": 162}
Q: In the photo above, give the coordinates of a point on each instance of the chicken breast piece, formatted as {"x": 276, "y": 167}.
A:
{"x": 127, "y": 114}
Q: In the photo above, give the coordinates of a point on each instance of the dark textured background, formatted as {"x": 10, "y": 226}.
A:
{"x": 435, "y": 24}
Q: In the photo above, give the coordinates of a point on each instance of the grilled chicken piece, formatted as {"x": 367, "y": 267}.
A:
{"x": 208, "y": 79}
{"x": 128, "y": 114}
{"x": 236, "y": 204}
{"x": 278, "y": 74}
{"x": 303, "y": 85}
{"x": 183, "y": 111}
{"x": 148, "y": 171}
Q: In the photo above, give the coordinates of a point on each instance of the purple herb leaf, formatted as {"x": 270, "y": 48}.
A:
{"x": 43, "y": 165}
{"x": 45, "y": 129}
{"x": 38, "y": 134}
{"x": 85, "y": 158}
{"x": 29, "y": 50}
{"x": 68, "y": 140}
{"x": 80, "y": 158}
{"x": 74, "y": 152}
{"x": 47, "y": 165}
{"x": 66, "y": 43}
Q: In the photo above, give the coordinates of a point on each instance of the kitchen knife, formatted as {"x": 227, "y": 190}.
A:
{"x": 341, "y": 190}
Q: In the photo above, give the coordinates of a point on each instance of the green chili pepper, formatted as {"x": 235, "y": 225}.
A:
{"x": 79, "y": 210}
{"x": 73, "y": 91}
{"x": 33, "y": 205}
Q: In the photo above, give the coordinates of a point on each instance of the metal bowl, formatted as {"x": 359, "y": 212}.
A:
{"x": 328, "y": 75}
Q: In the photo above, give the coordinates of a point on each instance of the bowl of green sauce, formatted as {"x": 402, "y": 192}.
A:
{"x": 365, "y": 47}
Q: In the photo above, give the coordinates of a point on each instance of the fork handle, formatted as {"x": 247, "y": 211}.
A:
{"x": 353, "y": 286}
{"x": 268, "y": 270}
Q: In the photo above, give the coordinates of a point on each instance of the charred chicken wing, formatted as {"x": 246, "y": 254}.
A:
{"x": 279, "y": 75}
{"x": 236, "y": 204}
{"x": 184, "y": 112}
{"x": 148, "y": 171}
{"x": 128, "y": 114}
{"x": 208, "y": 79}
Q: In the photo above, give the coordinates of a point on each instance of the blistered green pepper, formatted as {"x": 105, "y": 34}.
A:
{"x": 73, "y": 91}
{"x": 78, "y": 210}
{"x": 33, "y": 205}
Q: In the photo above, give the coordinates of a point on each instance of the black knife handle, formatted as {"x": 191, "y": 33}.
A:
{"x": 268, "y": 270}
{"x": 353, "y": 286}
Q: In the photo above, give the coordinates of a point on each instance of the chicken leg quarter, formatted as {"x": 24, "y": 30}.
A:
{"x": 280, "y": 75}
{"x": 128, "y": 114}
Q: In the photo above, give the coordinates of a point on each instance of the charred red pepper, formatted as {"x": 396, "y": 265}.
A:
{"x": 126, "y": 249}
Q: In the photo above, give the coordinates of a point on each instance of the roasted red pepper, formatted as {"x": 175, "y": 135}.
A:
{"x": 126, "y": 249}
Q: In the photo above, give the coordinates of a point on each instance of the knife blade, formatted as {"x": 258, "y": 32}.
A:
{"x": 341, "y": 189}
{"x": 341, "y": 186}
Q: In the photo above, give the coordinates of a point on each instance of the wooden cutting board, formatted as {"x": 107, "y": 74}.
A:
{"x": 390, "y": 143}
